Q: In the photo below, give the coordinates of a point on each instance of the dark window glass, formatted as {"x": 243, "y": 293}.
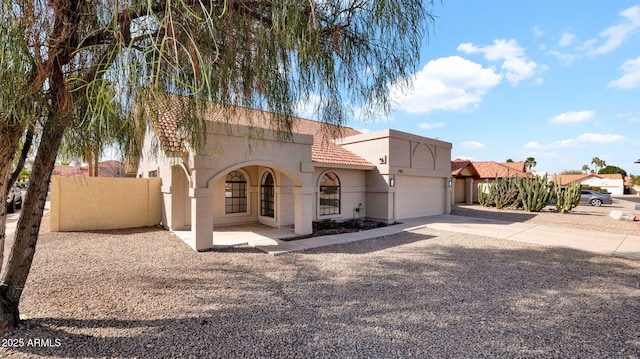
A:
{"x": 267, "y": 196}
{"x": 329, "y": 194}
{"x": 235, "y": 193}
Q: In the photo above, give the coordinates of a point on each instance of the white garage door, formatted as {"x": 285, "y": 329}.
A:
{"x": 419, "y": 196}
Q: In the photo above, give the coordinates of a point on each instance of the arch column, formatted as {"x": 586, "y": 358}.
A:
{"x": 201, "y": 218}
{"x": 468, "y": 192}
{"x": 303, "y": 210}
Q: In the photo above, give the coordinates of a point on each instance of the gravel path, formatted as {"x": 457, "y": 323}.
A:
{"x": 143, "y": 293}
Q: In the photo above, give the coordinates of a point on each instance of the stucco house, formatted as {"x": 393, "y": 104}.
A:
{"x": 612, "y": 183}
{"x": 246, "y": 173}
{"x": 469, "y": 176}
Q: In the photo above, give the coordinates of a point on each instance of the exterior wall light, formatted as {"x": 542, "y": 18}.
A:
{"x": 392, "y": 182}
{"x": 449, "y": 183}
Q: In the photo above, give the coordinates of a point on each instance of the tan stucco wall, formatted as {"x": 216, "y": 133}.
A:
{"x": 82, "y": 204}
{"x": 396, "y": 153}
{"x": 353, "y": 187}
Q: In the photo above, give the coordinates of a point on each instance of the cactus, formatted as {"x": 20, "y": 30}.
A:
{"x": 535, "y": 193}
{"x": 485, "y": 198}
{"x": 568, "y": 197}
{"x": 530, "y": 194}
{"x": 502, "y": 193}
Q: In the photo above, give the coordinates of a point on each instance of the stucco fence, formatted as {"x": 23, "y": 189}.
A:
{"x": 96, "y": 203}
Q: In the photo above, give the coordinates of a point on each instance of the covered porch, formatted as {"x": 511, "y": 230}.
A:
{"x": 250, "y": 234}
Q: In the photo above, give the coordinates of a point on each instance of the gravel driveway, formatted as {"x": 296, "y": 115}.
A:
{"x": 428, "y": 293}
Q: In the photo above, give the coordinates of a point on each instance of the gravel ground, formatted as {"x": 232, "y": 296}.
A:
{"x": 143, "y": 293}
{"x": 583, "y": 216}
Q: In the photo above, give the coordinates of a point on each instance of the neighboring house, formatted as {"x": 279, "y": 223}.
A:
{"x": 470, "y": 176}
{"x": 109, "y": 168}
{"x": 612, "y": 183}
{"x": 247, "y": 174}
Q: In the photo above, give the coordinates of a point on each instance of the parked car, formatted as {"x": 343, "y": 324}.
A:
{"x": 595, "y": 198}
{"x": 14, "y": 199}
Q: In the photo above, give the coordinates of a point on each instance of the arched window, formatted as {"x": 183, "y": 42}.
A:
{"x": 267, "y": 195}
{"x": 235, "y": 193}
{"x": 329, "y": 194}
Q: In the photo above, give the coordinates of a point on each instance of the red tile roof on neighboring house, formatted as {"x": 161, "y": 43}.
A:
{"x": 568, "y": 179}
{"x": 70, "y": 171}
{"x": 109, "y": 168}
{"x": 489, "y": 169}
{"x": 323, "y": 149}
{"x": 458, "y": 165}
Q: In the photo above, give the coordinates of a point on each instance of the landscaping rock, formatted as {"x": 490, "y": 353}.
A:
{"x": 622, "y": 216}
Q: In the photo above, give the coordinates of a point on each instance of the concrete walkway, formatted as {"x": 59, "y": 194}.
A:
{"x": 612, "y": 244}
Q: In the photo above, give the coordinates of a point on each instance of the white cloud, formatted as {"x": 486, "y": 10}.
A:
{"x": 428, "y": 126}
{"x": 500, "y": 50}
{"x": 628, "y": 117}
{"x": 584, "y": 140}
{"x": 448, "y": 83}
{"x": 519, "y": 69}
{"x": 537, "y": 32}
{"x": 598, "y": 138}
{"x": 464, "y": 158}
{"x": 566, "y": 39}
{"x": 564, "y": 57}
{"x": 631, "y": 77}
{"x": 612, "y": 37}
{"x": 572, "y": 117}
{"x": 532, "y": 145}
{"x": 515, "y": 64}
{"x": 308, "y": 109}
{"x": 472, "y": 145}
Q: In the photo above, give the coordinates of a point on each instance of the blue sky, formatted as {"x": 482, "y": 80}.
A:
{"x": 555, "y": 80}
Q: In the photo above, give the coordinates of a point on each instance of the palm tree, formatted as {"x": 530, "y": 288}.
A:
{"x": 585, "y": 168}
{"x": 529, "y": 163}
{"x": 598, "y": 163}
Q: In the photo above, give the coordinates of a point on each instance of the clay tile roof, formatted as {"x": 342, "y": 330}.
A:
{"x": 519, "y": 166}
{"x": 323, "y": 149}
{"x": 109, "y": 168}
{"x": 458, "y": 165}
{"x": 70, "y": 171}
{"x": 490, "y": 169}
{"x": 568, "y": 179}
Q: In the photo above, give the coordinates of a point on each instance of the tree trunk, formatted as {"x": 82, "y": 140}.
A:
{"x": 26, "y": 147}
{"x": 26, "y": 236}
{"x": 88, "y": 157}
{"x": 11, "y": 131}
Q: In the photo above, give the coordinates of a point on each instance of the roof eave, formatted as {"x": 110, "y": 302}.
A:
{"x": 344, "y": 166}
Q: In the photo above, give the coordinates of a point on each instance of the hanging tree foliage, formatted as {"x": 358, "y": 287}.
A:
{"x": 81, "y": 64}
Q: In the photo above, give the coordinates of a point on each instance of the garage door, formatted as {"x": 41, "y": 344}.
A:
{"x": 419, "y": 196}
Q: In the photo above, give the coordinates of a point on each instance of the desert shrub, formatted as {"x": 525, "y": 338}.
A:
{"x": 325, "y": 224}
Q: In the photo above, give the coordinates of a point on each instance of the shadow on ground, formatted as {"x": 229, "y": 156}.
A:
{"x": 426, "y": 294}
